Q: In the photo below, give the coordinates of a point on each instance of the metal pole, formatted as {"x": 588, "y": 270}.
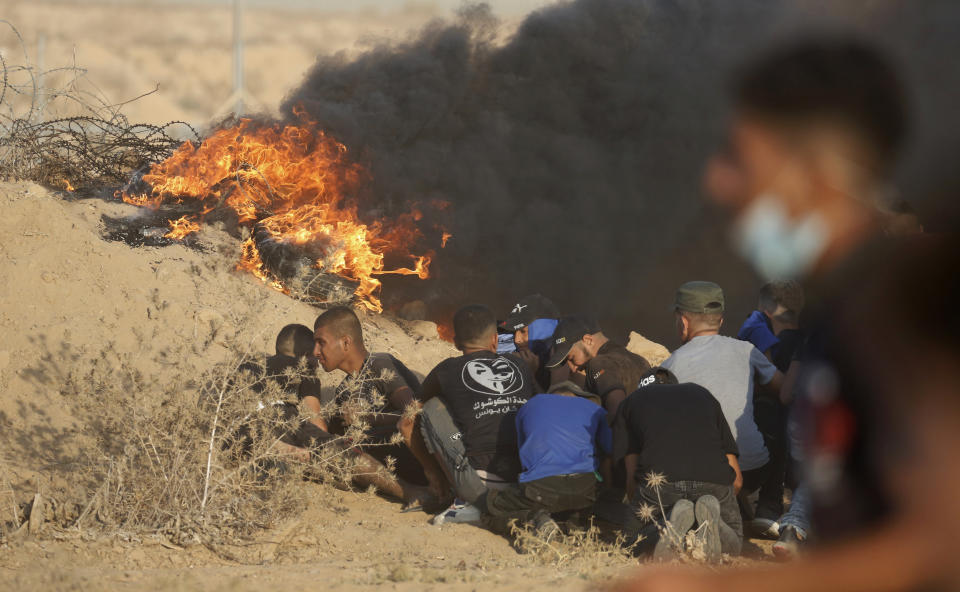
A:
{"x": 41, "y": 68}
{"x": 238, "y": 82}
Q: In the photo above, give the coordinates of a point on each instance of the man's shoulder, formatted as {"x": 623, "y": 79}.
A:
{"x": 721, "y": 343}
{"x": 384, "y": 361}
{"x": 614, "y": 354}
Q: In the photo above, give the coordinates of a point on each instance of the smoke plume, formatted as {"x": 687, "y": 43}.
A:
{"x": 571, "y": 152}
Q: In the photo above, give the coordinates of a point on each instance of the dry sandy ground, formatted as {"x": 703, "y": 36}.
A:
{"x": 348, "y": 541}
{"x": 67, "y": 292}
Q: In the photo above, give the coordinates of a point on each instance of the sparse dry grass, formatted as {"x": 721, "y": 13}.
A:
{"x": 584, "y": 550}
{"x": 191, "y": 458}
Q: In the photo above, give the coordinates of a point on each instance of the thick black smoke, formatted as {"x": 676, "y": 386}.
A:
{"x": 571, "y": 153}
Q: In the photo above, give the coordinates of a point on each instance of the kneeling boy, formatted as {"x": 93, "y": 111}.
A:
{"x": 559, "y": 435}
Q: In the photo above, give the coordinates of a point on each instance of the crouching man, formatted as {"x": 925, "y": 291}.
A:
{"x": 469, "y": 408}
{"x": 559, "y": 435}
{"x": 279, "y": 419}
{"x": 681, "y": 459}
{"x": 612, "y": 372}
{"x": 374, "y": 394}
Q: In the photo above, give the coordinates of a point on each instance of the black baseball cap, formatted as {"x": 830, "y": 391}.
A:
{"x": 569, "y": 331}
{"x": 527, "y": 310}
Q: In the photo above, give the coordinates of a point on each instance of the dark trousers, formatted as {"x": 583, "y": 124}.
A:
{"x": 560, "y": 493}
{"x": 753, "y": 480}
{"x": 731, "y": 525}
{"x": 771, "y": 418}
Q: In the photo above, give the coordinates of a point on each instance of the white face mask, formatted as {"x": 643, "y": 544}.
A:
{"x": 778, "y": 247}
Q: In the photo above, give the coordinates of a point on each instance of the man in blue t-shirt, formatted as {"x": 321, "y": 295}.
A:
{"x": 559, "y": 435}
{"x": 774, "y": 330}
{"x": 773, "y": 326}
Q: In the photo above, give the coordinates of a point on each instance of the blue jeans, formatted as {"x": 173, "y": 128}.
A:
{"x": 798, "y": 516}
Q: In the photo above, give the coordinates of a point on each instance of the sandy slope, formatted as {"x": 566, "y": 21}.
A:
{"x": 67, "y": 292}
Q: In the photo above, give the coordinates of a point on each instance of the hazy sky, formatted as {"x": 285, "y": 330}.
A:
{"x": 501, "y": 7}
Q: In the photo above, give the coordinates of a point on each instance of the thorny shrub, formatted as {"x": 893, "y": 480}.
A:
{"x": 200, "y": 458}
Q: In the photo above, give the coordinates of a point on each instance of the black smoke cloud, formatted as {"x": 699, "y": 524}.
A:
{"x": 571, "y": 152}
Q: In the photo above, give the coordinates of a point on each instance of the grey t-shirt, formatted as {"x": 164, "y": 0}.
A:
{"x": 726, "y": 367}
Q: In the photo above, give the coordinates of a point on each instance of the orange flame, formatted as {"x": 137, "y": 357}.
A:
{"x": 445, "y": 332}
{"x": 181, "y": 228}
{"x": 295, "y": 182}
{"x": 444, "y": 238}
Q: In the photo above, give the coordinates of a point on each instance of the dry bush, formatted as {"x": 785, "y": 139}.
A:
{"x": 196, "y": 458}
{"x": 583, "y": 550}
{"x": 688, "y": 546}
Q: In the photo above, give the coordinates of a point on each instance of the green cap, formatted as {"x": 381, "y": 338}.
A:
{"x": 701, "y": 297}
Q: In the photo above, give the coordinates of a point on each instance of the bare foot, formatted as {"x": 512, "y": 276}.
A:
{"x": 417, "y": 495}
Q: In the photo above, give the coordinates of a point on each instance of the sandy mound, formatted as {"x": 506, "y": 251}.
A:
{"x": 652, "y": 352}
{"x": 68, "y": 293}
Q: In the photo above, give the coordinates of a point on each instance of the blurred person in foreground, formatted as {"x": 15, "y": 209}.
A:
{"x": 817, "y": 129}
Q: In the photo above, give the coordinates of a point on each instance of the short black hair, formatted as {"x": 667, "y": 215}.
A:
{"x": 341, "y": 320}
{"x": 837, "y": 80}
{"x": 472, "y": 323}
{"x": 295, "y": 341}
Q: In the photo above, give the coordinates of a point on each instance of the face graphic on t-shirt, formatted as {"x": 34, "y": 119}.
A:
{"x": 498, "y": 376}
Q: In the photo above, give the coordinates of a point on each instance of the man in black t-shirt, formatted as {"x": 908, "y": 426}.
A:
{"x": 286, "y": 369}
{"x": 611, "y": 372}
{"x": 375, "y": 394}
{"x": 679, "y": 432}
{"x": 470, "y": 405}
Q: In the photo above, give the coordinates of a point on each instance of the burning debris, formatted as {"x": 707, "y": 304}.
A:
{"x": 292, "y": 188}
{"x": 154, "y": 229}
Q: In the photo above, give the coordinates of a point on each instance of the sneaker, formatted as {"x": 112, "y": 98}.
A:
{"x": 788, "y": 545}
{"x": 544, "y": 525}
{"x": 764, "y": 528}
{"x": 708, "y": 518}
{"x": 459, "y": 511}
{"x": 675, "y": 529}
